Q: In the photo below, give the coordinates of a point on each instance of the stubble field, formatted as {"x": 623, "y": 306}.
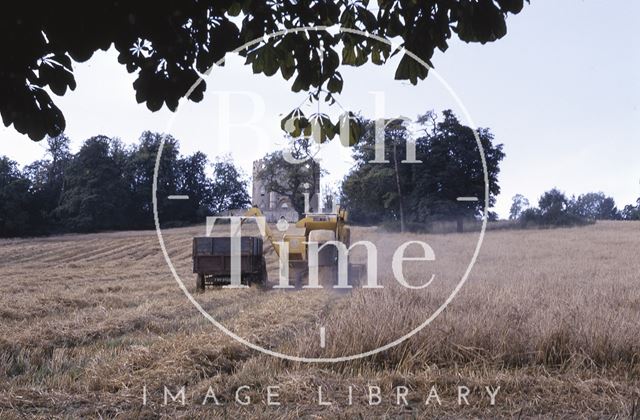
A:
{"x": 96, "y": 326}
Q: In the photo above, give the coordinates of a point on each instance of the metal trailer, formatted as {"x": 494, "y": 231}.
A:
{"x": 212, "y": 261}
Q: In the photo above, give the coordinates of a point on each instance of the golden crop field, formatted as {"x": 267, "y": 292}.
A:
{"x": 96, "y": 326}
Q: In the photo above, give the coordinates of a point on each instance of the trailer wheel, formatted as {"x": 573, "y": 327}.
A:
{"x": 264, "y": 275}
{"x": 261, "y": 278}
{"x": 200, "y": 283}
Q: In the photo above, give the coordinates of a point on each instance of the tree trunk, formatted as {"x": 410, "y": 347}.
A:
{"x": 314, "y": 185}
{"x": 400, "y": 198}
{"x": 460, "y": 224}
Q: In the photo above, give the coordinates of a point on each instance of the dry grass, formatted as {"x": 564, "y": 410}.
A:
{"x": 552, "y": 317}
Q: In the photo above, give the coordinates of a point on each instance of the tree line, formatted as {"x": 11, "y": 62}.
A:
{"x": 108, "y": 186}
{"x": 555, "y": 208}
{"x": 405, "y": 196}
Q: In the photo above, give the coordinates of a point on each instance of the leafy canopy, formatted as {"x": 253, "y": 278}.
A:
{"x": 170, "y": 44}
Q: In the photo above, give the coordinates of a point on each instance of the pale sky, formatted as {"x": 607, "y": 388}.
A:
{"x": 561, "y": 91}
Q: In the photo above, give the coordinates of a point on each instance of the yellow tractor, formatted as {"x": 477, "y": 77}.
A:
{"x": 318, "y": 227}
{"x": 292, "y": 246}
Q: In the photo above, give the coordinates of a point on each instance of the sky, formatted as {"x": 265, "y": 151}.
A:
{"x": 561, "y": 91}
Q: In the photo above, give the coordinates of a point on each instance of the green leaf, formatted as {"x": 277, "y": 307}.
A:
{"x": 395, "y": 25}
{"x": 287, "y": 64}
{"x": 349, "y": 56}
{"x": 270, "y": 60}
{"x": 298, "y": 84}
{"x": 292, "y": 122}
{"x": 349, "y": 129}
{"x": 403, "y": 72}
{"x": 410, "y": 69}
{"x": 361, "y": 56}
{"x": 307, "y": 130}
{"x": 513, "y": 6}
{"x": 234, "y": 9}
{"x": 335, "y": 84}
{"x": 375, "y": 56}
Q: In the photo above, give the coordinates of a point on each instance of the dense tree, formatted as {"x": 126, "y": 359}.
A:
{"x": 47, "y": 176}
{"x": 450, "y": 167}
{"x": 632, "y": 212}
{"x": 450, "y": 154}
{"x": 184, "y": 176}
{"x": 554, "y": 209}
{"x": 229, "y": 187}
{"x": 595, "y": 206}
{"x": 519, "y": 203}
{"x": 373, "y": 192}
{"x": 169, "y": 44}
{"x": 194, "y": 182}
{"x": 142, "y": 166}
{"x": 95, "y": 189}
{"x": 553, "y": 206}
{"x": 107, "y": 186}
{"x": 16, "y": 207}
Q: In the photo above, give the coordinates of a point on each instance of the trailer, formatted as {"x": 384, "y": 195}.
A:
{"x": 212, "y": 261}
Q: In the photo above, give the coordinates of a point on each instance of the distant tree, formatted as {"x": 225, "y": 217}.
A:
{"x": 44, "y": 196}
{"x": 595, "y": 206}
{"x": 16, "y": 206}
{"x": 58, "y": 149}
{"x": 140, "y": 173}
{"x": 289, "y": 179}
{"x": 530, "y": 217}
{"x": 169, "y": 44}
{"x": 194, "y": 182}
{"x": 632, "y": 212}
{"x": 451, "y": 167}
{"x": 229, "y": 186}
{"x": 553, "y": 204}
{"x": 554, "y": 209}
{"x": 370, "y": 190}
{"x": 451, "y": 156}
{"x": 374, "y": 192}
{"x": 518, "y": 205}
{"x": 107, "y": 186}
{"x": 47, "y": 176}
{"x": 96, "y": 191}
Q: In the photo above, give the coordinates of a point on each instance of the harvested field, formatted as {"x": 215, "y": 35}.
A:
{"x": 552, "y": 317}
